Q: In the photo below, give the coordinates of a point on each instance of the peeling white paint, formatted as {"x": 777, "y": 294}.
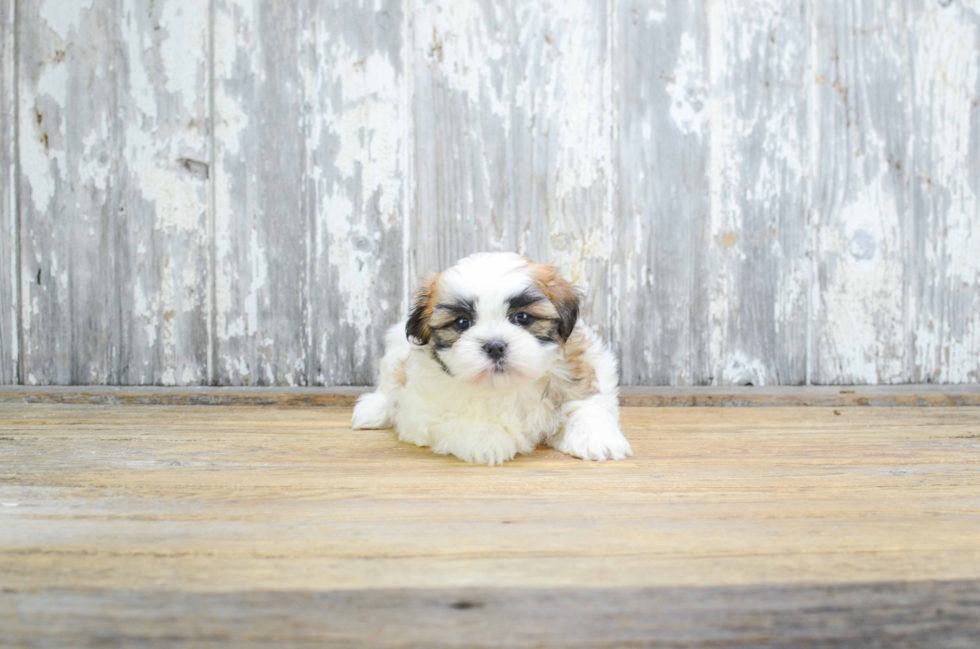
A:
{"x": 62, "y": 17}
{"x": 457, "y": 38}
{"x": 945, "y": 92}
{"x": 185, "y": 25}
{"x": 42, "y": 158}
{"x": 548, "y": 68}
{"x": 688, "y": 107}
{"x": 864, "y": 293}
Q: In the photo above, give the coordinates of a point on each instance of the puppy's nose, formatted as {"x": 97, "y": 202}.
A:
{"x": 495, "y": 349}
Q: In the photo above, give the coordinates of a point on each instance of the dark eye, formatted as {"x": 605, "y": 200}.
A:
{"x": 522, "y": 319}
{"x": 461, "y": 324}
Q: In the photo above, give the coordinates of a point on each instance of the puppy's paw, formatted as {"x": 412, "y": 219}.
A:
{"x": 371, "y": 411}
{"x": 592, "y": 434}
{"x": 488, "y": 445}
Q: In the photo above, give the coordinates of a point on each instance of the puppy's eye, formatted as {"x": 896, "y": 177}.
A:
{"x": 461, "y": 324}
{"x": 522, "y": 319}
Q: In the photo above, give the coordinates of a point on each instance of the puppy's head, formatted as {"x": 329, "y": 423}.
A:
{"x": 494, "y": 319}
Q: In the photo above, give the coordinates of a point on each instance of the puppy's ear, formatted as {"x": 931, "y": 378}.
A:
{"x": 417, "y": 328}
{"x": 562, "y": 294}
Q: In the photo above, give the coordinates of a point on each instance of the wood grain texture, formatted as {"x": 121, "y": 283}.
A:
{"x": 69, "y": 192}
{"x": 152, "y": 524}
{"x": 309, "y": 119}
{"x": 860, "y": 130}
{"x": 660, "y": 252}
{"x": 162, "y": 244}
{"x": 244, "y": 193}
{"x": 823, "y": 396}
{"x": 944, "y": 262}
{"x": 9, "y": 245}
{"x": 513, "y": 137}
{"x": 112, "y": 134}
{"x": 758, "y": 244}
{"x": 261, "y": 194}
{"x": 358, "y": 143}
{"x": 897, "y": 615}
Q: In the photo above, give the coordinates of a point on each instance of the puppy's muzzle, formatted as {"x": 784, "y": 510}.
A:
{"x": 495, "y": 349}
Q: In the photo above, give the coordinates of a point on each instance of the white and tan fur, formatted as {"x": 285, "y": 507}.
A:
{"x": 555, "y": 382}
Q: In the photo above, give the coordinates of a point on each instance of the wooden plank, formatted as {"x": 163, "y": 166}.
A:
{"x": 933, "y": 395}
{"x": 262, "y": 202}
{"x": 235, "y": 525}
{"x": 860, "y": 152}
{"x": 357, "y": 144}
{"x": 161, "y": 240}
{"x": 68, "y": 193}
{"x": 660, "y": 255}
{"x": 343, "y": 397}
{"x": 822, "y": 396}
{"x": 112, "y": 127}
{"x": 895, "y": 614}
{"x": 944, "y": 266}
{"x": 123, "y": 497}
{"x": 513, "y": 124}
{"x": 758, "y": 243}
{"x": 308, "y": 217}
{"x": 9, "y": 243}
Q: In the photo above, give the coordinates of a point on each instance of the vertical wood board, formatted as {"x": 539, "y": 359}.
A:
{"x": 859, "y": 137}
{"x": 513, "y": 137}
{"x": 758, "y": 244}
{"x": 9, "y": 333}
{"x": 659, "y": 251}
{"x": 112, "y": 128}
{"x": 944, "y": 262}
{"x": 357, "y": 142}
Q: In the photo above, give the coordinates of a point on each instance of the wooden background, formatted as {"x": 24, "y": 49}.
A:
{"x": 243, "y": 192}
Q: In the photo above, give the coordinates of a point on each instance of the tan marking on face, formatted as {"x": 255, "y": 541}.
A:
{"x": 544, "y": 309}
{"x": 559, "y": 291}
{"x": 426, "y": 298}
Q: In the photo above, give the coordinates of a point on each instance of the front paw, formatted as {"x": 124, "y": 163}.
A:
{"x": 371, "y": 411}
{"x": 488, "y": 445}
{"x": 592, "y": 434}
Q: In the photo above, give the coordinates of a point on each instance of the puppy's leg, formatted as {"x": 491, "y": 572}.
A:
{"x": 591, "y": 430}
{"x": 376, "y": 409}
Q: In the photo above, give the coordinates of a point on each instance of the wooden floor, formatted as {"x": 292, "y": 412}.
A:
{"x": 245, "y": 526}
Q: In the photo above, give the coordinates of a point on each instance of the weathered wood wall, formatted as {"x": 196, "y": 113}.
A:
{"x": 243, "y": 192}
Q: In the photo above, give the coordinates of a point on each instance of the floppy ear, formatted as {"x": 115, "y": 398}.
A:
{"x": 562, "y": 294}
{"x": 417, "y": 328}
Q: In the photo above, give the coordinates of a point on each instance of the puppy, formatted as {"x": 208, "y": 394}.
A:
{"x": 491, "y": 363}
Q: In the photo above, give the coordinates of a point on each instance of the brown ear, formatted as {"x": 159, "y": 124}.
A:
{"x": 562, "y": 294}
{"x": 417, "y": 328}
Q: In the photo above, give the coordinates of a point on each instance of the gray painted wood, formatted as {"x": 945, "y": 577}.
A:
{"x": 358, "y": 145}
{"x": 935, "y": 614}
{"x": 261, "y": 211}
{"x": 69, "y": 192}
{"x": 8, "y": 199}
{"x": 244, "y": 193}
{"x": 860, "y": 130}
{"x": 162, "y": 240}
{"x": 944, "y": 262}
{"x": 113, "y": 151}
{"x": 309, "y": 132}
{"x": 758, "y": 245}
{"x": 660, "y": 272}
{"x": 513, "y": 126}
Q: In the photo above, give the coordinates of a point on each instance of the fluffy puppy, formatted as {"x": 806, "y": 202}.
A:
{"x": 491, "y": 362}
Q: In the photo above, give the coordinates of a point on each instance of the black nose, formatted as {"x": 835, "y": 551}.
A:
{"x": 495, "y": 349}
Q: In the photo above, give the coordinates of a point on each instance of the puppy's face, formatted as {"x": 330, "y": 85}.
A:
{"x": 494, "y": 319}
